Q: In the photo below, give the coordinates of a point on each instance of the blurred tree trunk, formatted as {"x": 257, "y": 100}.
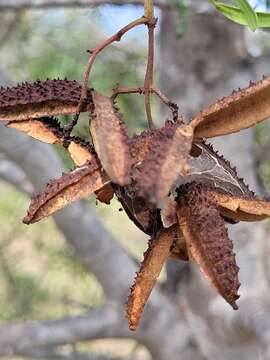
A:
{"x": 209, "y": 62}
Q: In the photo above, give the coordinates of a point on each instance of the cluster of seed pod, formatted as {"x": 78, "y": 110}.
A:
{"x": 171, "y": 184}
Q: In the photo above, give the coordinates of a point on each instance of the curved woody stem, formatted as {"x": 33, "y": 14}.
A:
{"x": 116, "y": 37}
{"x": 150, "y": 21}
{"x": 148, "y": 81}
{"x": 153, "y": 90}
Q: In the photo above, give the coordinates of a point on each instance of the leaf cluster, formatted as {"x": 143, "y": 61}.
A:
{"x": 243, "y": 14}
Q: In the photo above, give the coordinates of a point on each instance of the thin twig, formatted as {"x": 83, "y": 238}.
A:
{"x": 149, "y": 20}
{"x": 116, "y": 37}
{"x": 149, "y": 10}
{"x": 126, "y": 90}
{"x": 148, "y": 81}
{"x": 153, "y": 90}
{"x": 173, "y": 106}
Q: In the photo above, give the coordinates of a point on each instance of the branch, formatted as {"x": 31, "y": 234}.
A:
{"x": 53, "y": 355}
{"x": 12, "y": 5}
{"x": 12, "y": 174}
{"x": 20, "y": 338}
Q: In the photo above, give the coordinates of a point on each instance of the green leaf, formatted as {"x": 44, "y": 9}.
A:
{"x": 250, "y": 15}
{"x": 236, "y": 15}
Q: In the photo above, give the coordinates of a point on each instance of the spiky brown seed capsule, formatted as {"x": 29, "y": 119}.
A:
{"x": 159, "y": 249}
{"x": 41, "y": 98}
{"x": 48, "y": 130}
{"x": 240, "y": 110}
{"x": 79, "y": 183}
{"x": 110, "y": 139}
{"x": 207, "y": 240}
{"x": 165, "y": 160}
{"x": 240, "y": 208}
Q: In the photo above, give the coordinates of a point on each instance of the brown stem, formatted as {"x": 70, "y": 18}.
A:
{"x": 116, "y": 37}
{"x": 149, "y": 9}
{"x": 140, "y": 90}
{"x": 149, "y": 20}
{"x": 173, "y": 106}
{"x": 148, "y": 81}
{"x": 124, "y": 90}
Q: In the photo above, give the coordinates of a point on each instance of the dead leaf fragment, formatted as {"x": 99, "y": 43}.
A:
{"x": 41, "y": 98}
{"x": 154, "y": 258}
{"x": 241, "y": 110}
{"x": 58, "y": 193}
{"x": 110, "y": 139}
{"x": 207, "y": 241}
